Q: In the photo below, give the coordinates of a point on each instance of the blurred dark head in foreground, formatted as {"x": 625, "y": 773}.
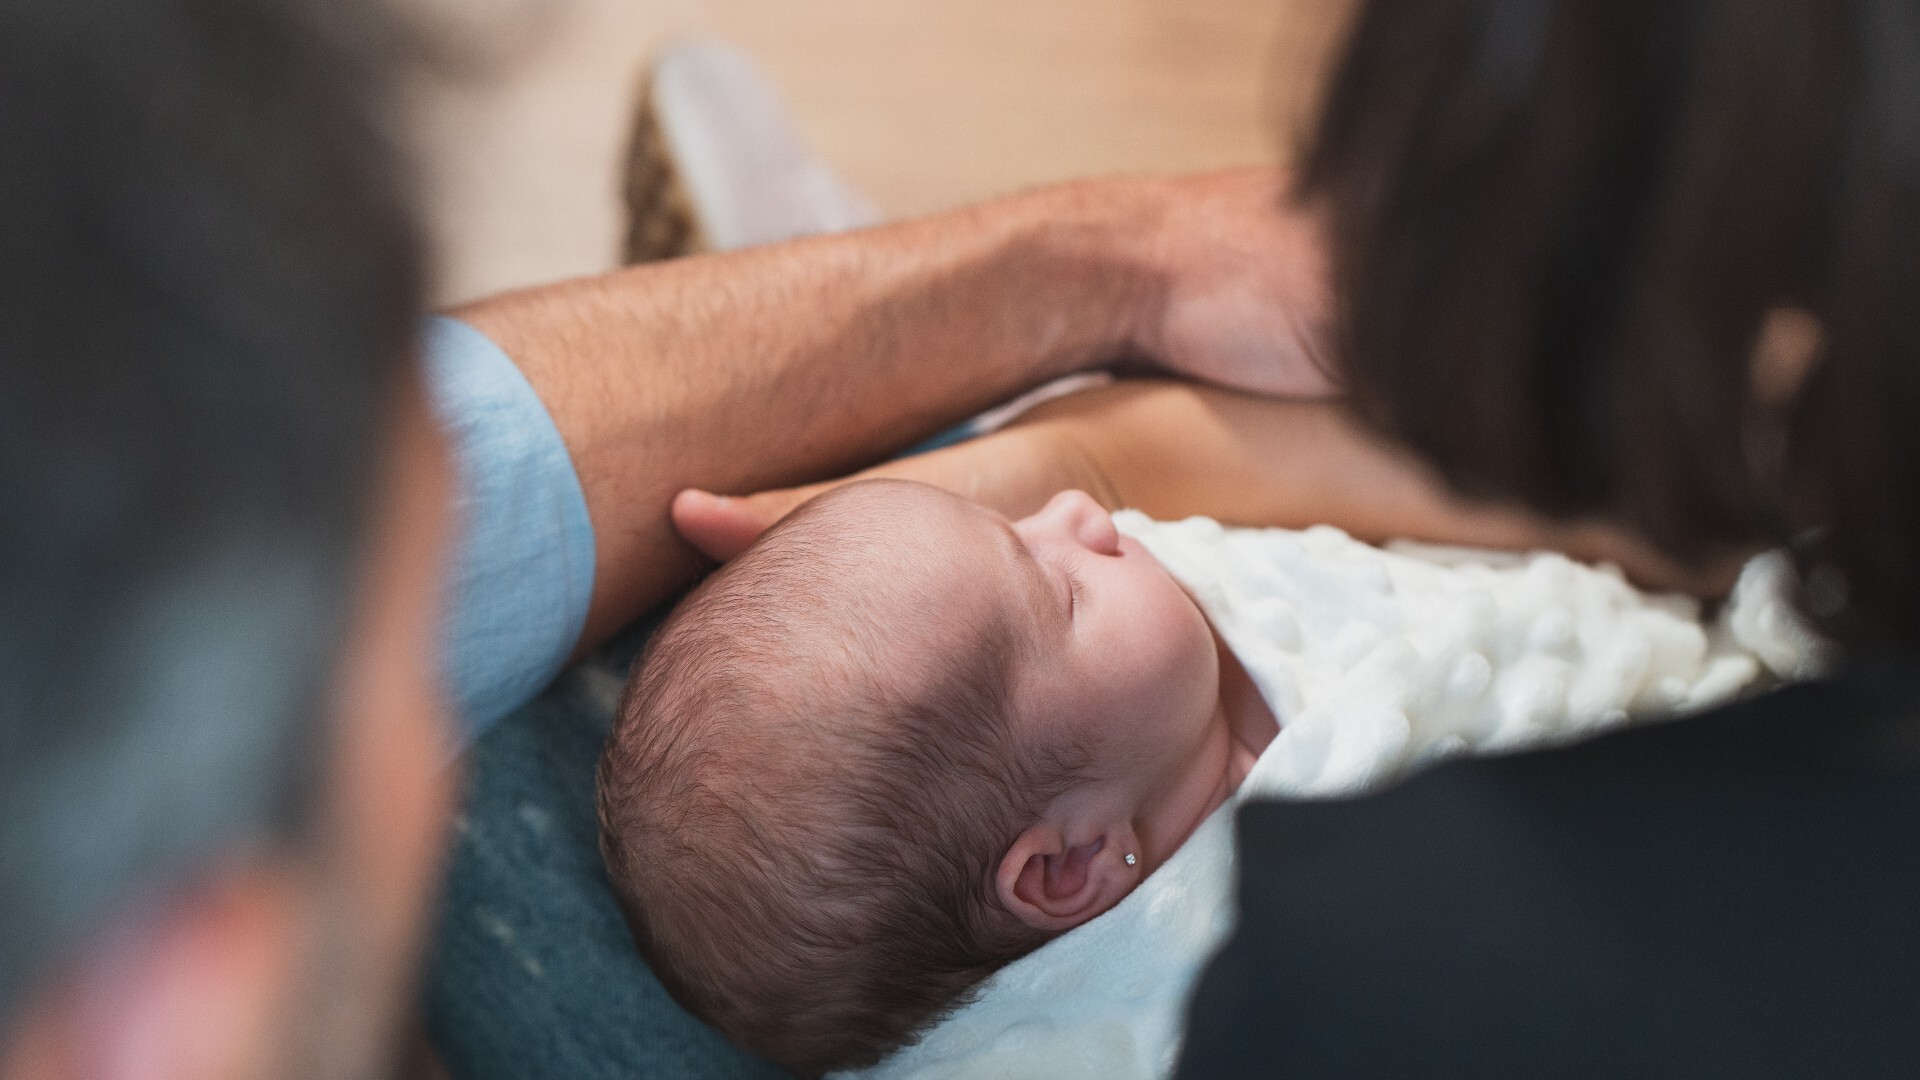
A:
{"x": 207, "y": 281}
{"x": 1648, "y": 259}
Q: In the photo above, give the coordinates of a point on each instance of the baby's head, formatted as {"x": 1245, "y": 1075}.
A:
{"x": 897, "y": 744}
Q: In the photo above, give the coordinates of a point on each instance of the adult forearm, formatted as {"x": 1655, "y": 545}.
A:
{"x": 790, "y": 363}
{"x": 1175, "y": 450}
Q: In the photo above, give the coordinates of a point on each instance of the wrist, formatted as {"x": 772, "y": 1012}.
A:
{"x": 1090, "y": 253}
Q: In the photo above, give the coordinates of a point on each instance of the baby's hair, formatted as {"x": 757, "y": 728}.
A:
{"x": 804, "y": 848}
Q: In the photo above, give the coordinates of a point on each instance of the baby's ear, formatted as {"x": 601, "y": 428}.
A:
{"x": 1050, "y": 882}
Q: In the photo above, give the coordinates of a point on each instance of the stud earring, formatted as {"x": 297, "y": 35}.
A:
{"x": 1130, "y": 859}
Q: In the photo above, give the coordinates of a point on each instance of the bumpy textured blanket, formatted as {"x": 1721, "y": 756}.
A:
{"x": 1376, "y": 662}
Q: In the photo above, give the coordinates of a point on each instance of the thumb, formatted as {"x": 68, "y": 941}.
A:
{"x": 723, "y": 526}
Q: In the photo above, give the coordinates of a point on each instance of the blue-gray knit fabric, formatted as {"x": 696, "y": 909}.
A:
{"x": 532, "y": 973}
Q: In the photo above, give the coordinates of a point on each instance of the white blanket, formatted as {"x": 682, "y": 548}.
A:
{"x": 1375, "y": 662}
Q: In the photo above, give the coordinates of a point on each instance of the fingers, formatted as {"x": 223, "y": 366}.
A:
{"x": 721, "y": 527}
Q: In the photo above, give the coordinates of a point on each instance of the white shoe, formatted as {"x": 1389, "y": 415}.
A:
{"x": 716, "y": 162}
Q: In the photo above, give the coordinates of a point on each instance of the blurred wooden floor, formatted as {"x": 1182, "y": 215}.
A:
{"x": 923, "y": 104}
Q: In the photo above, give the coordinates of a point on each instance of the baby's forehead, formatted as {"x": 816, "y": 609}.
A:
{"x": 902, "y": 502}
{"x": 902, "y": 564}
{"x": 911, "y": 531}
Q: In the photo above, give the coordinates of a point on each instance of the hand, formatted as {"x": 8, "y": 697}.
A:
{"x": 1015, "y": 471}
{"x": 1242, "y": 292}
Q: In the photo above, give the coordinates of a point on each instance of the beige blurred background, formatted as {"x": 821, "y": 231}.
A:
{"x": 922, "y": 104}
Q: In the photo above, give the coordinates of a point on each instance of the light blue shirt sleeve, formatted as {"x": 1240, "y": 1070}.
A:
{"x": 522, "y": 573}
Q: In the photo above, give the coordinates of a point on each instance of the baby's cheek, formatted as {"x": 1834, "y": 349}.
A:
{"x": 1154, "y": 653}
{"x": 1190, "y": 658}
{"x": 1145, "y": 692}
{"x": 1173, "y": 680}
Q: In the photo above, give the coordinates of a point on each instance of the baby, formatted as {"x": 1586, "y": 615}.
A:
{"x": 899, "y": 743}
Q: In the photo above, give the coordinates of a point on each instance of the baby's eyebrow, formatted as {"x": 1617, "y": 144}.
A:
{"x": 1024, "y": 554}
{"x": 1019, "y": 546}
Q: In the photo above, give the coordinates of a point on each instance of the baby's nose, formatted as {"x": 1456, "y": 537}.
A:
{"x": 1086, "y": 521}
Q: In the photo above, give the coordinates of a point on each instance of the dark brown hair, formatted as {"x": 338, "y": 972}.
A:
{"x": 806, "y": 849}
{"x": 209, "y": 284}
{"x": 1559, "y": 225}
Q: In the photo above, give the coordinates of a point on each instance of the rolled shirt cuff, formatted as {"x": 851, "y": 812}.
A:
{"x": 521, "y": 577}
